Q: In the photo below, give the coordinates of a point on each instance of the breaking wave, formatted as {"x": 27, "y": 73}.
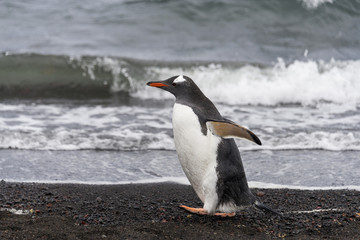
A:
{"x": 300, "y": 82}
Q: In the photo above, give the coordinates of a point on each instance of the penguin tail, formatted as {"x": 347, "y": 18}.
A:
{"x": 265, "y": 208}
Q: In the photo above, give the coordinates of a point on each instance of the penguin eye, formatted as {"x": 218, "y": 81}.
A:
{"x": 174, "y": 84}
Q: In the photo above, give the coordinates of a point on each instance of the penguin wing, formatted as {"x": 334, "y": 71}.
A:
{"x": 228, "y": 129}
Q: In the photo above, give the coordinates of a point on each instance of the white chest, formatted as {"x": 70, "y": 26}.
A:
{"x": 196, "y": 151}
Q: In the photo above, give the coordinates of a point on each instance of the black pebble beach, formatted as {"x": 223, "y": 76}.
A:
{"x": 151, "y": 211}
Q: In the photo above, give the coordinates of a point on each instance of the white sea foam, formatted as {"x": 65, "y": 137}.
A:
{"x": 16, "y": 211}
{"x": 337, "y": 141}
{"x": 253, "y": 184}
{"x": 185, "y": 181}
{"x": 312, "y": 4}
{"x": 61, "y": 127}
{"x": 179, "y": 180}
{"x": 131, "y": 139}
{"x": 320, "y": 210}
{"x": 304, "y": 82}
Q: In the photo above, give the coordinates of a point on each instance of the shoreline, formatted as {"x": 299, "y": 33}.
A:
{"x": 185, "y": 182}
{"x": 151, "y": 211}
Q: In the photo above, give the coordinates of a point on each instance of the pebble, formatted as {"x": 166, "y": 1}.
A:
{"x": 260, "y": 194}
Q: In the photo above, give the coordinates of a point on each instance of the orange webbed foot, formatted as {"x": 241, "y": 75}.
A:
{"x": 225, "y": 214}
{"x": 199, "y": 211}
{"x": 202, "y": 211}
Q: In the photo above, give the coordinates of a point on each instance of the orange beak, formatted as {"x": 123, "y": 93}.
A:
{"x": 157, "y": 84}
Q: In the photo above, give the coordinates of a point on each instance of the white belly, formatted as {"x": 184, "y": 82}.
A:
{"x": 196, "y": 152}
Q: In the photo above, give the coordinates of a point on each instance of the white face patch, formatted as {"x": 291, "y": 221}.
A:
{"x": 179, "y": 79}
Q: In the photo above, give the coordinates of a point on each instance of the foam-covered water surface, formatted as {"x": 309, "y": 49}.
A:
{"x": 300, "y": 82}
{"x": 73, "y": 127}
{"x": 135, "y": 127}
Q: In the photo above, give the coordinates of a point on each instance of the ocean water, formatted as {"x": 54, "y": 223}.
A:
{"x": 74, "y": 106}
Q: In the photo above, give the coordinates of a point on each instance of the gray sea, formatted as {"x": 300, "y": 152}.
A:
{"x": 74, "y": 106}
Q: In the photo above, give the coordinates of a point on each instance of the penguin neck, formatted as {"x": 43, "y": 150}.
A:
{"x": 194, "y": 99}
{"x": 200, "y": 104}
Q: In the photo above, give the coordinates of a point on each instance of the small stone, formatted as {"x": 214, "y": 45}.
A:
{"x": 260, "y": 194}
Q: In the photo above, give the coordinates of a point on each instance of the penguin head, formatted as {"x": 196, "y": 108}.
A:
{"x": 180, "y": 86}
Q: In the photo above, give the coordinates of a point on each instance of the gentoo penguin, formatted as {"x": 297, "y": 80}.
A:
{"x": 207, "y": 151}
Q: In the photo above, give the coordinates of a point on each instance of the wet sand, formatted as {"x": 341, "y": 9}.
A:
{"x": 151, "y": 211}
